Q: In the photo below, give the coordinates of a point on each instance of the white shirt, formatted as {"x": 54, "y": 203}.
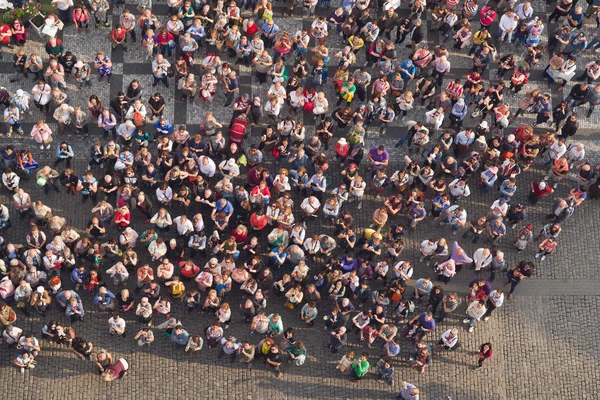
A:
{"x": 508, "y": 22}
{"x": 480, "y": 259}
{"x": 557, "y": 151}
{"x": 497, "y": 299}
{"x": 503, "y": 208}
{"x": 208, "y": 169}
{"x": 120, "y": 325}
{"x": 427, "y": 248}
{"x": 183, "y": 228}
{"x": 310, "y": 208}
{"x": 459, "y": 191}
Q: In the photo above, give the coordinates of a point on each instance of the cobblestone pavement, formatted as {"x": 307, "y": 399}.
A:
{"x": 545, "y": 340}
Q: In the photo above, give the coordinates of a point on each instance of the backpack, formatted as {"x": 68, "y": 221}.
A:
{"x": 138, "y": 119}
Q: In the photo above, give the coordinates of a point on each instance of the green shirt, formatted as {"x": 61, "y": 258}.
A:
{"x": 360, "y": 368}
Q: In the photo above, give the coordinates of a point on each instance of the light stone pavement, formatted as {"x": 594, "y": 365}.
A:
{"x": 545, "y": 339}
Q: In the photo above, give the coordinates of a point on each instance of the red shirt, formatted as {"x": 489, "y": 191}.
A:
{"x": 258, "y": 223}
{"x": 118, "y": 36}
{"x": 537, "y": 192}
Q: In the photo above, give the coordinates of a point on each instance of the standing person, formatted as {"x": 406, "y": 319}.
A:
{"x": 495, "y": 299}
{"x": 485, "y": 352}
{"x": 408, "y": 391}
{"x": 475, "y": 311}
{"x": 360, "y": 367}
{"x": 116, "y": 326}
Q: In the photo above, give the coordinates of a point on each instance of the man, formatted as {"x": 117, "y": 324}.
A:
{"x": 360, "y": 367}
{"x": 12, "y": 117}
{"x": 524, "y": 11}
{"x": 495, "y": 299}
{"x": 116, "y": 326}
{"x": 575, "y": 18}
{"x": 507, "y": 25}
{"x": 273, "y": 360}
{"x": 482, "y": 58}
{"x": 232, "y": 88}
{"x": 408, "y": 391}
{"x": 421, "y": 325}
{"x": 496, "y": 230}
{"x": 270, "y": 30}
{"x": 593, "y": 98}
{"x": 378, "y": 157}
{"x": 245, "y": 353}
{"x": 591, "y": 73}
{"x": 308, "y": 313}
{"x": 127, "y": 21}
{"x": 160, "y": 68}
{"x": 475, "y": 311}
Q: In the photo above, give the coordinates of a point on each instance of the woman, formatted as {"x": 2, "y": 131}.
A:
{"x": 484, "y": 352}
{"x": 524, "y": 236}
{"x": 548, "y": 246}
{"x": 188, "y": 87}
{"x": 95, "y": 106}
{"x": 81, "y": 18}
{"x": 506, "y": 64}
{"x": 347, "y": 91}
{"x": 526, "y": 102}
{"x": 282, "y": 47}
{"x": 518, "y": 79}
{"x": 104, "y": 66}
{"x": 99, "y": 11}
{"x": 42, "y": 134}
{"x": 214, "y": 334}
{"x": 232, "y": 37}
{"x": 243, "y": 51}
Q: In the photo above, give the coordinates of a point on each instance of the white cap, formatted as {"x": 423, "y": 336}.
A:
{"x": 542, "y": 185}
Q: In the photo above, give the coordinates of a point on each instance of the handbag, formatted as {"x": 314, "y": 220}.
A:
{"x": 42, "y": 180}
{"x": 170, "y": 72}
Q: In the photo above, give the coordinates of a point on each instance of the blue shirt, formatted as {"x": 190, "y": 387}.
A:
{"x": 163, "y": 130}
{"x": 394, "y": 348}
{"x": 411, "y": 70}
{"x": 182, "y": 338}
{"x": 105, "y": 300}
{"x": 75, "y": 275}
{"x": 227, "y": 208}
{"x": 460, "y": 112}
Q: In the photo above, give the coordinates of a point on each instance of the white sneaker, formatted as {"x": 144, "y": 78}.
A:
{"x": 543, "y": 258}
{"x": 555, "y": 186}
{"x": 22, "y": 370}
{"x": 486, "y": 318}
{"x": 537, "y": 255}
{"x": 470, "y": 329}
{"x": 89, "y": 167}
{"x": 42, "y": 147}
{"x": 48, "y": 147}
{"x": 466, "y": 321}
{"x": 421, "y": 259}
{"x": 359, "y": 205}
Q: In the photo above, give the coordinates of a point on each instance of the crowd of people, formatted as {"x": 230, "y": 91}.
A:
{"x": 250, "y": 233}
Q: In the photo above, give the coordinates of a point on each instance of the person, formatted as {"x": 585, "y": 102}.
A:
{"x": 116, "y": 326}
{"x": 116, "y": 370}
{"x": 360, "y": 367}
{"x": 408, "y": 391}
{"x": 485, "y": 352}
